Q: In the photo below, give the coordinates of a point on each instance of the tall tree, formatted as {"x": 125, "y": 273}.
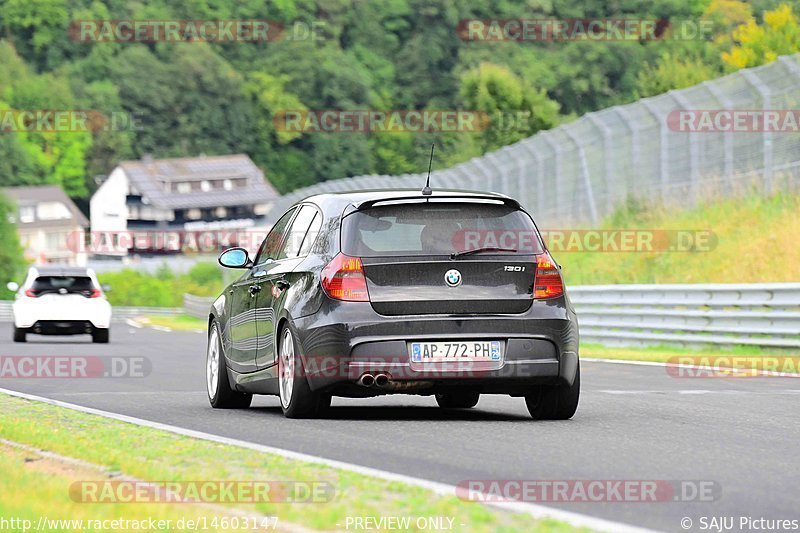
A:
{"x": 514, "y": 109}
{"x": 11, "y": 261}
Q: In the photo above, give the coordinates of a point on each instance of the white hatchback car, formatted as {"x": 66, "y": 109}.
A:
{"x": 60, "y": 301}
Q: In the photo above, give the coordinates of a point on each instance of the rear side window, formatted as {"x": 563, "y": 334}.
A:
{"x": 437, "y": 229}
{"x": 56, "y": 284}
{"x": 297, "y": 232}
{"x": 311, "y": 236}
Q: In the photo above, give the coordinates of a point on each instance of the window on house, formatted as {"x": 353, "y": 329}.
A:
{"x": 27, "y": 214}
{"x": 184, "y": 187}
{"x": 56, "y": 241}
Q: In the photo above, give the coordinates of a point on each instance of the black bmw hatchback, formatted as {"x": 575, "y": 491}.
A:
{"x": 451, "y": 294}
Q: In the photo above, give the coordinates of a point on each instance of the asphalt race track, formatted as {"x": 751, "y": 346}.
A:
{"x": 634, "y": 423}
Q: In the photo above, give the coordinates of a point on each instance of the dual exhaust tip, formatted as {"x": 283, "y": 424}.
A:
{"x": 378, "y": 380}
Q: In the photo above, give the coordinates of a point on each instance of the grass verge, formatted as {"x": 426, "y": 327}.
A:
{"x": 743, "y": 228}
{"x": 35, "y": 488}
{"x": 723, "y": 356}
{"x": 175, "y": 323}
{"x": 155, "y": 455}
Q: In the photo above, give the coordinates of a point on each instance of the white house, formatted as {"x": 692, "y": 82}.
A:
{"x": 51, "y": 227}
{"x": 181, "y": 194}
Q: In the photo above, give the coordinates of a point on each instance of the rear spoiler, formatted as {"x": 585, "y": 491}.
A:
{"x": 366, "y": 204}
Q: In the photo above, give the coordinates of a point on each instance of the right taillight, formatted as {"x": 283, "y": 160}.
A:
{"x": 343, "y": 279}
{"x": 547, "y": 283}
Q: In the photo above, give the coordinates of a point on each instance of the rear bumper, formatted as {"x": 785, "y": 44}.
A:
{"x": 28, "y": 311}
{"x": 539, "y": 346}
{"x": 61, "y": 327}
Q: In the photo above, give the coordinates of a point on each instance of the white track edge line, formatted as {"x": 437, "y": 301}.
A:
{"x": 533, "y": 510}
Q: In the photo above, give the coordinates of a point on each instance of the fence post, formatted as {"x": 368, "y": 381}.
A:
{"x": 663, "y": 166}
{"x": 694, "y": 156}
{"x": 766, "y": 103}
{"x": 539, "y": 176}
{"x": 520, "y": 161}
{"x": 557, "y": 155}
{"x": 587, "y": 180}
{"x": 608, "y": 158}
{"x": 623, "y": 114}
{"x": 727, "y": 169}
{"x": 495, "y": 158}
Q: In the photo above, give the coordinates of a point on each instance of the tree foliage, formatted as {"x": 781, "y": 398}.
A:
{"x": 11, "y": 262}
{"x": 756, "y": 44}
{"x": 182, "y": 99}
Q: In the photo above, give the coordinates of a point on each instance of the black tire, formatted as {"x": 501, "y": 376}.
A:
{"x": 20, "y": 335}
{"x": 220, "y": 393}
{"x": 300, "y": 401}
{"x": 555, "y": 402}
{"x": 458, "y": 400}
{"x": 100, "y": 336}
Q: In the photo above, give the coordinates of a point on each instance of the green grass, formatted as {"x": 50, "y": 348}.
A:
{"x": 156, "y": 455}
{"x": 756, "y": 241}
{"x": 34, "y": 487}
{"x": 175, "y": 323}
{"x": 667, "y": 353}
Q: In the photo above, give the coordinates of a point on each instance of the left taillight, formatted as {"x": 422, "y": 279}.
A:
{"x": 547, "y": 283}
{"x": 343, "y": 279}
{"x": 30, "y": 293}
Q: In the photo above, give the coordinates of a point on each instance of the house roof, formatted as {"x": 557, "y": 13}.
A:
{"x": 32, "y": 195}
{"x": 149, "y": 176}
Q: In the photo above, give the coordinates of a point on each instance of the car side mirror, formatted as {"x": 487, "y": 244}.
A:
{"x": 235, "y": 258}
{"x": 12, "y": 286}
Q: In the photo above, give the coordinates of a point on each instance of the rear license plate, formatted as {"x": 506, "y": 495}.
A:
{"x": 439, "y": 352}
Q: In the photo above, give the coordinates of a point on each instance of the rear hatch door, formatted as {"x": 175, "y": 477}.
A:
{"x": 409, "y": 252}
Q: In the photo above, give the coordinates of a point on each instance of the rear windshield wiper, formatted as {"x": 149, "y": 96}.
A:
{"x": 481, "y": 250}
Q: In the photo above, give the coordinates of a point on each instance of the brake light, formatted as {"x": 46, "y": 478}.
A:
{"x": 343, "y": 279}
{"x": 95, "y": 293}
{"x": 31, "y": 293}
{"x": 547, "y": 283}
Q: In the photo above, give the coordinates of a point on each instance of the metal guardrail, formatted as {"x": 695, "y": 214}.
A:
{"x": 197, "y": 306}
{"x": 760, "y": 314}
{"x": 118, "y": 314}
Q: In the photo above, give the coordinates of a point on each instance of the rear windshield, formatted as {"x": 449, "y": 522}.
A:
{"x": 437, "y": 229}
{"x": 72, "y": 284}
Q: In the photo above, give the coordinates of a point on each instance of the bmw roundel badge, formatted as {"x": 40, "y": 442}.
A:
{"x": 452, "y": 277}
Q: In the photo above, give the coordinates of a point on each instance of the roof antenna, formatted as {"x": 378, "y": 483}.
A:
{"x": 427, "y": 191}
